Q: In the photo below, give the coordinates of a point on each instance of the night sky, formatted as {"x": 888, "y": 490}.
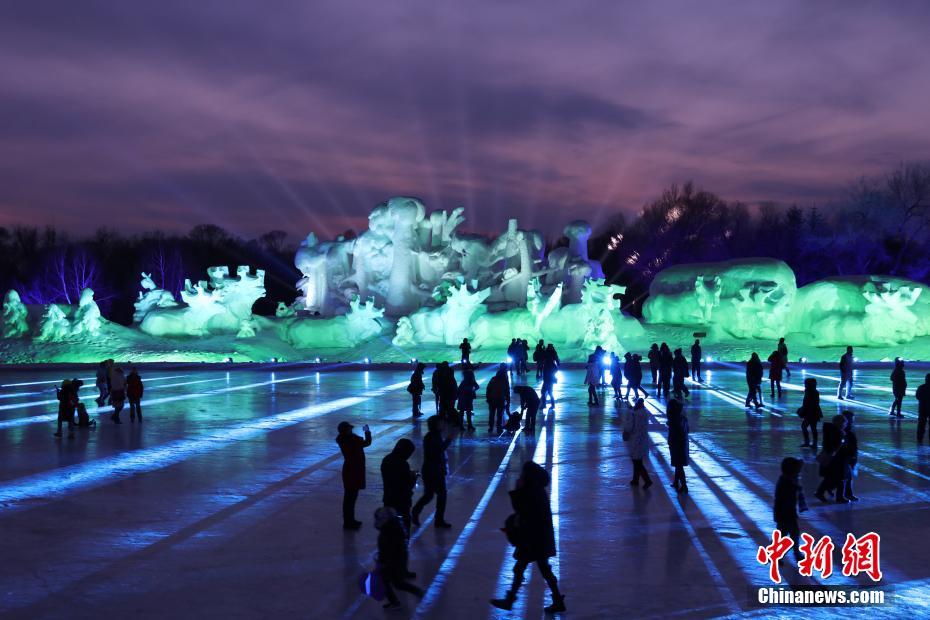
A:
{"x": 302, "y": 115}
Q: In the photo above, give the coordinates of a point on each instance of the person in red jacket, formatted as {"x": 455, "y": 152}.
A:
{"x": 134, "y": 389}
{"x": 353, "y": 470}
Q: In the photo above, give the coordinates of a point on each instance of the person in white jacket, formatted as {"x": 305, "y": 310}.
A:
{"x": 117, "y": 393}
{"x": 636, "y": 433}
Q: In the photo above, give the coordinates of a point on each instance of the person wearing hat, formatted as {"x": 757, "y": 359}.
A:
{"x": 399, "y": 480}
{"x": 353, "y": 470}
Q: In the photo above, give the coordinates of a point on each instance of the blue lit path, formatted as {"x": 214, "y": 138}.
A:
{"x": 225, "y": 502}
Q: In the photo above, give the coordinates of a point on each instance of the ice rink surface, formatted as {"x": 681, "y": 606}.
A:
{"x": 225, "y": 502}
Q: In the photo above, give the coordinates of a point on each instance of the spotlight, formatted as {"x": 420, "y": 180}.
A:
{"x": 413, "y": 360}
{"x": 274, "y": 360}
{"x": 367, "y": 360}
{"x": 606, "y": 359}
{"x": 708, "y": 359}
{"x": 803, "y": 360}
{"x": 509, "y": 360}
{"x": 855, "y": 359}
{"x": 228, "y": 360}
{"x": 317, "y": 361}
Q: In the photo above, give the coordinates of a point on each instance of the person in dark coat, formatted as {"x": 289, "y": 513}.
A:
{"x": 530, "y": 530}
{"x": 653, "y": 357}
{"x": 678, "y": 443}
{"x": 696, "y": 360}
{"x": 353, "y": 470}
{"x": 550, "y": 377}
{"x": 832, "y": 460}
{"x": 416, "y": 389}
{"x": 448, "y": 390}
{"x": 433, "y": 473}
{"x": 634, "y": 377}
{"x": 529, "y": 406}
{"x": 539, "y": 356}
{"x": 782, "y": 349}
{"x": 616, "y": 375}
{"x": 399, "y": 480}
{"x": 666, "y": 362}
{"x": 103, "y": 383}
{"x": 847, "y": 365}
{"x": 789, "y": 501}
{"x": 467, "y": 392}
{"x": 810, "y": 412}
{"x": 851, "y": 447}
{"x": 754, "y": 381}
{"x": 466, "y": 351}
{"x": 435, "y": 382}
{"x": 67, "y": 404}
{"x": 393, "y": 557}
{"x": 497, "y": 393}
{"x": 134, "y": 391}
{"x": 776, "y": 365}
{"x": 923, "y": 407}
{"x": 679, "y": 374}
{"x": 898, "y": 388}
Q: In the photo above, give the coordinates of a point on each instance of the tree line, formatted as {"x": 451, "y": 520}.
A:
{"x": 880, "y": 226}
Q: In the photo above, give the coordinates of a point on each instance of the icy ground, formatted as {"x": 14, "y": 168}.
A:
{"x": 225, "y": 502}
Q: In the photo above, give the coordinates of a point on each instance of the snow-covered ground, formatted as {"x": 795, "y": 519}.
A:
{"x": 225, "y": 501}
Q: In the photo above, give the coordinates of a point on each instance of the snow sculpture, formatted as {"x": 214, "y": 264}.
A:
{"x": 360, "y": 324}
{"x": 15, "y": 316}
{"x": 447, "y": 324}
{"x": 406, "y": 213}
{"x": 571, "y": 265}
{"x": 597, "y": 320}
{"x": 87, "y": 318}
{"x": 54, "y": 326}
{"x": 862, "y": 310}
{"x": 747, "y": 298}
{"x": 514, "y": 250}
{"x": 326, "y": 268}
{"x": 151, "y": 297}
{"x": 222, "y": 306}
{"x": 499, "y": 328}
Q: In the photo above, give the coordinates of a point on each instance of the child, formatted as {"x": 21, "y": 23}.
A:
{"x": 789, "y": 500}
{"x": 67, "y": 401}
{"x": 392, "y": 557}
{"x": 513, "y": 422}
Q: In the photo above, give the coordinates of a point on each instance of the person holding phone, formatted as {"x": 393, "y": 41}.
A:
{"x": 353, "y": 470}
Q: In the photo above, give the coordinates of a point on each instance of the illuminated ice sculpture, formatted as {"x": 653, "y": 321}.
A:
{"x": 15, "y": 316}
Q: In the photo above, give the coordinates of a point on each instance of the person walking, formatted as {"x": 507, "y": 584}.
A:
{"x": 776, "y": 365}
{"x": 846, "y": 374}
{"x": 679, "y": 374}
{"x": 851, "y": 448}
{"x": 393, "y": 557}
{"x": 634, "y": 378}
{"x": 416, "y": 389}
{"x": 666, "y": 361}
{"x": 435, "y": 383}
{"x": 593, "y": 376}
{"x": 653, "y": 357}
{"x": 465, "y": 347}
{"x": 448, "y": 391}
{"x": 117, "y": 393}
{"x": 616, "y": 375}
{"x": 696, "y": 361}
{"x": 789, "y": 501}
{"x": 810, "y": 412}
{"x": 782, "y": 349}
{"x": 529, "y": 406}
{"x": 635, "y": 431}
{"x": 433, "y": 473}
{"x": 550, "y": 377}
{"x": 754, "y": 381}
{"x": 134, "y": 390}
{"x": 898, "y": 388}
{"x": 67, "y": 404}
{"x": 399, "y": 480}
{"x": 497, "y": 393}
{"x": 678, "y": 431}
{"x": 923, "y": 407}
{"x": 467, "y": 392}
{"x": 531, "y": 532}
{"x": 832, "y": 459}
{"x": 353, "y": 470}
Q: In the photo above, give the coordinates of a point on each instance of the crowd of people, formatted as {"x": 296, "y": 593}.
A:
{"x": 115, "y": 389}
{"x": 529, "y": 529}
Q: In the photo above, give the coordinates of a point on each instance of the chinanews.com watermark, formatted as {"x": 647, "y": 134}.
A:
{"x": 859, "y": 556}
